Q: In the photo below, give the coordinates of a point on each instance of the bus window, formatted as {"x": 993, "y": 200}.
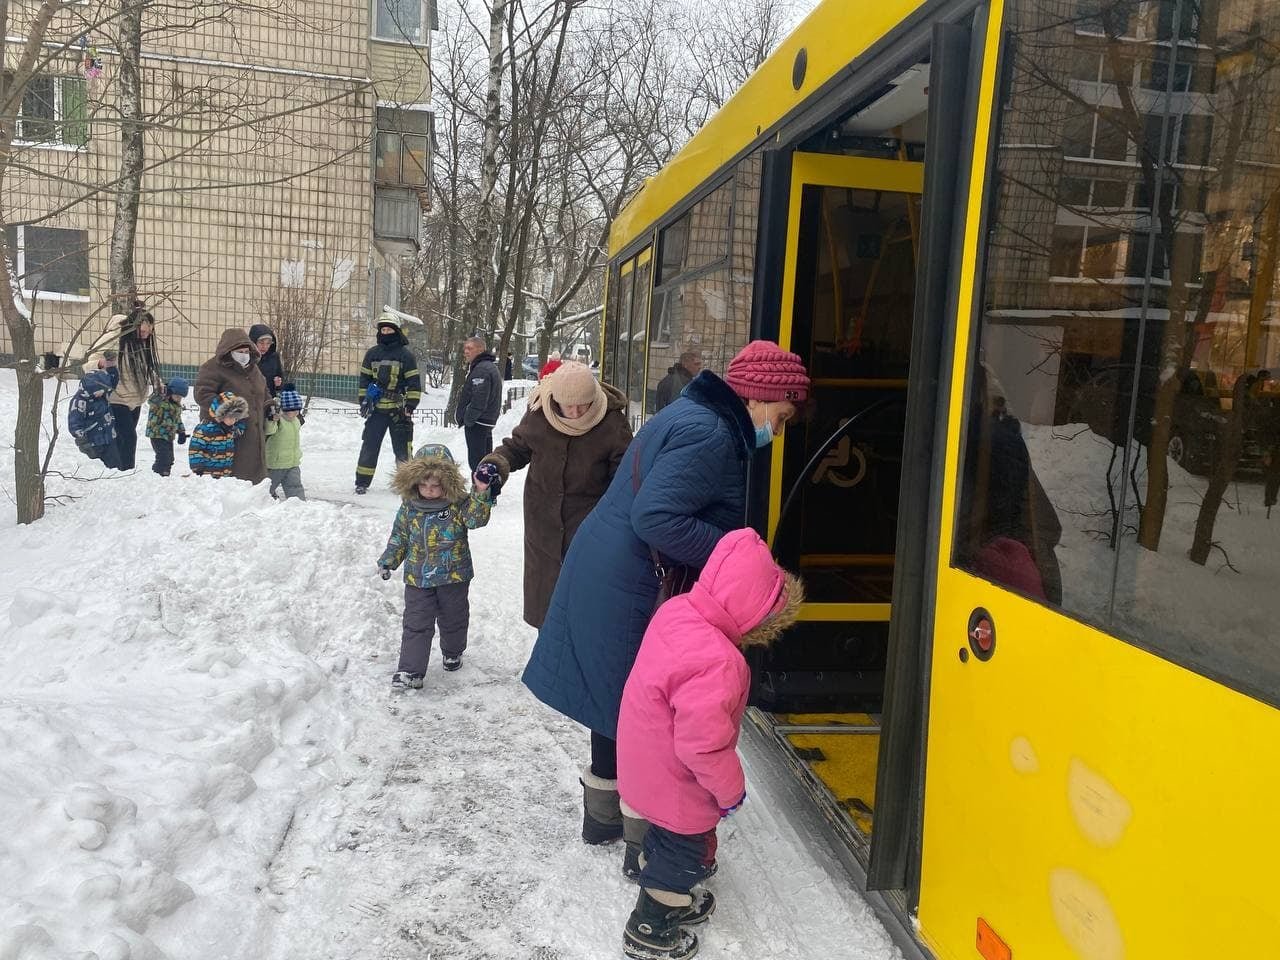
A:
{"x": 612, "y": 318}
{"x": 639, "y": 330}
{"x": 1122, "y": 458}
{"x": 702, "y": 304}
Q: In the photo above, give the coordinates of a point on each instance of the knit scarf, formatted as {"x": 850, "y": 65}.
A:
{"x": 540, "y": 399}
{"x": 430, "y": 506}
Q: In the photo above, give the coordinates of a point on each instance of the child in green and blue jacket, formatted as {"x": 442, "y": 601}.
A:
{"x": 429, "y": 536}
{"x": 164, "y": 423}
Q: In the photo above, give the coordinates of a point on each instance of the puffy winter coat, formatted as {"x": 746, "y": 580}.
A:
{"x": 567, "y": 477}
{"x": 213, "y": 449}
{"x": 480, "y": 402}
{"x": 284, "y": 443}
{"x": 692, "y": 463}
{"x": 269, "y": 364}
{"x": 431, "y": 539}
{"x": 395, "y": 369}
{"x": 678, "y": 729}
{"x": 164, "y": 417}
{"x": 221, "y": 374}
{"x": 89, "y": 418}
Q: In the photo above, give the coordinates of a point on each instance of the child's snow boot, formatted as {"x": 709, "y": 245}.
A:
{"x": 634, "y": 827}
{"x": 653, "y": 929}
{"x": 452, "y": 661}
{"x": 601, "y": 818}
{"x": 403, "y": 680}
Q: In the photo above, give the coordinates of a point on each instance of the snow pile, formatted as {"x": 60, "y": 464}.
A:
{"x": 201, "y": 757}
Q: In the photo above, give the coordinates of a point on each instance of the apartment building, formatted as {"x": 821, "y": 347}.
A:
{"x": 1135, "y": 219}
{"x": 288, "y": 151}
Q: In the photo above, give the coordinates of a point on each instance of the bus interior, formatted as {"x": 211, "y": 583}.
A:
{"x": 820, "y": 693}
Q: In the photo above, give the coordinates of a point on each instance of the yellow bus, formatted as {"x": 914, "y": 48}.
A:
{"x": 1034, "y": 690}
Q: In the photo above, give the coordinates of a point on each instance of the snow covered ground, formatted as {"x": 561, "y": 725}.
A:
{"x": 199, "y": 757}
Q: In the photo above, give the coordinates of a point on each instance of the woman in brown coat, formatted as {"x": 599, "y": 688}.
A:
{"x": 234, "y": 367}
{"x": 572, "y": 439}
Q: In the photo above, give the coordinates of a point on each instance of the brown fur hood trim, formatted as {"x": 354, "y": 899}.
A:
{"x": 771, "y": 628}
{"x": 617, "y": 399}
{"x": 412, "y": 472}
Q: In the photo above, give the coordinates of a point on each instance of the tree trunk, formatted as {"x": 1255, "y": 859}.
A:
{"x": 28, "y": 480}
{"x": 124, "y": 283}
{"x": 488, "y": 181}
{"x": 1224, "y": 471}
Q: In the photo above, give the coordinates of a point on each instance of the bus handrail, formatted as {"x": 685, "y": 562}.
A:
{"x": 840, "y": 431}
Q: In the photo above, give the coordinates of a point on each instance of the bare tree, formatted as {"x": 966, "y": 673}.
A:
{"x": 184, "y": 119}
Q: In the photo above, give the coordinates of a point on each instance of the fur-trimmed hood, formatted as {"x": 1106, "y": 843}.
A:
{"x": 433, "y": 458}
{"x": 744, "y": 593}
{"x": 227, "y": 404}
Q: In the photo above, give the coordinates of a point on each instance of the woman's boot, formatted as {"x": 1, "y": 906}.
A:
{"x": 653, "y": 929}
{"x": 601, "y": 818}
{"x": 634, "y": 827}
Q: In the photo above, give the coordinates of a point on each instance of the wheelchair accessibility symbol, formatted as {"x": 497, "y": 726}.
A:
{"x": 845, "y": 465}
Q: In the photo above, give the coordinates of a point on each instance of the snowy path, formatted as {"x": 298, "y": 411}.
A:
{"x": 200, "y": 758}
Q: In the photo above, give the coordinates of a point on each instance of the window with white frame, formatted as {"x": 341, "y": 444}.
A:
{"x": 402, "y": 147}
{"x": 51, "y": 261}
{"x": 398, "y": 20}
{"x": 54, "y": 110}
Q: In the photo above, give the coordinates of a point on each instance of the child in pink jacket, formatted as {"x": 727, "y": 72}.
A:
{"x": 678, "y": 763}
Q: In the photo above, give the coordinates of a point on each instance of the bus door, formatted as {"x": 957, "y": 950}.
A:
{"x": 847, "y": 310}
{"x": 1100, "y": 774}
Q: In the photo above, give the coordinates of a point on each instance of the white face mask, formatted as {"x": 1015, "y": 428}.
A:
{"x": 241, "y": 357}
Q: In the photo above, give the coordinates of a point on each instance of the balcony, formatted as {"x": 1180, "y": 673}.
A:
{"x": 397, "y": 219}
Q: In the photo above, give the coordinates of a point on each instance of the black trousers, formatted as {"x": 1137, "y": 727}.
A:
{"x": 479, "y": 444}
{"x": 424, "y": 607}
{"x": 164, "y": 456}
{"x": 604, "y": 756}
{"x": 126, "y": 433}
{"x": 375, "y": 428}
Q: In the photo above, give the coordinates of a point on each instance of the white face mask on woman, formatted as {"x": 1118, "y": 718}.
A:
{"x": 241, "y": 357}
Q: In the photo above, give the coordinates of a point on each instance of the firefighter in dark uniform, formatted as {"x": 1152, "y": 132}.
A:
{"x": 390, "y": 389}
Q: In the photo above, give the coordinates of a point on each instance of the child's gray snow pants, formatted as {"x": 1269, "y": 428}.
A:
{"x": 423, "y": 607}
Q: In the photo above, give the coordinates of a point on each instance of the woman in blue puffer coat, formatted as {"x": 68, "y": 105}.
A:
{"x": 680, "y": 487}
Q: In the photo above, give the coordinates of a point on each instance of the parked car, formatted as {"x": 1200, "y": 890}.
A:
{"x": 529, "y": 366}
{"x": 1199, "y": 417}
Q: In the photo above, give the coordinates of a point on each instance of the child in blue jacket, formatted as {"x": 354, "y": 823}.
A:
{"x": 212, "y": 452}
{"x": 90, "y": 420}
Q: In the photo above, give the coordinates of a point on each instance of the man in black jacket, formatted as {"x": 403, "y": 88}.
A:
{"x": 677, "y": 378}
{"x": 480, "y": 401}
{"x": 390, "y": 389}
{"x": 269, "y": 364}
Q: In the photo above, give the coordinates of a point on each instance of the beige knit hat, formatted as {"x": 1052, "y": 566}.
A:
{"x": 573, "y": 385}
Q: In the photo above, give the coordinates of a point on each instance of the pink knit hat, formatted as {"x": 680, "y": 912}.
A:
{"x": 762, "y": 370}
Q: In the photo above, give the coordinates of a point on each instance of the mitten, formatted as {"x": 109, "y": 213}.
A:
{"x": 373, "y": 392}
{"x": 504, "y": 469}
{"x": 410, "y": 406}
{"x": 182, "y": 439}
{"x": 489, "y": 473}
{"x": 366, "y": 407}
{"x": 726, "y": 811}
{"x": 386, "y": 573}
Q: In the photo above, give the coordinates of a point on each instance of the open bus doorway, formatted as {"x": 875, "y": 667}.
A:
{"x": 848, "y": 305}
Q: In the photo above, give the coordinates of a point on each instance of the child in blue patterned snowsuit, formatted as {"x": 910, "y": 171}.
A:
{"x": 90, "y": 420}
{"x": 212, "y": 452}
{"x": 429, "y": 536}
